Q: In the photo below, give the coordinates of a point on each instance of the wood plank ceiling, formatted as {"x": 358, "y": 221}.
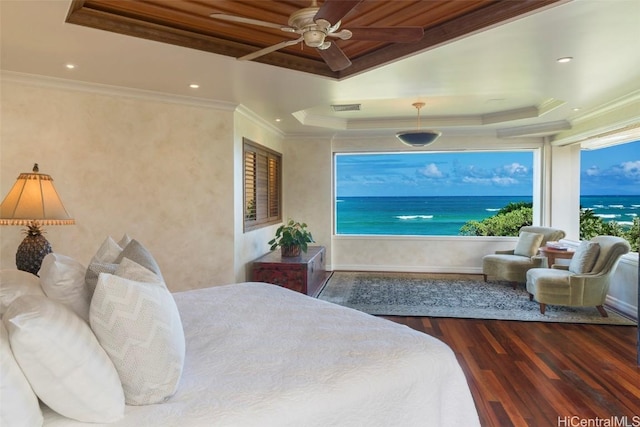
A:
{"x": 188, "y": 23}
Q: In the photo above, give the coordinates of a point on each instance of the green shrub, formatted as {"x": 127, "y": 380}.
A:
{"x": 508, "y": 221}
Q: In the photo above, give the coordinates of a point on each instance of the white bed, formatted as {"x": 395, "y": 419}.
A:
{"x": 261, "y": 355}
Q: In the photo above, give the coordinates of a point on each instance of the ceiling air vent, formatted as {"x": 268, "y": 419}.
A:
{"x": 346, "y": 107}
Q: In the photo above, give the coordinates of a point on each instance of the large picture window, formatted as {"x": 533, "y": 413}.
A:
{"x": 610, "y": 192}
{"x": 262, "y": 186}
{"x": 427, "y": 193}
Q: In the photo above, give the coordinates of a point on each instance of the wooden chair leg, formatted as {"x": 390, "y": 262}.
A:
{"x": 543, "y": 307}
{"x": 602, "y": 311}
{"x": 514, "y": 285}
{"x": 485, "y": 277}
{"x": 530, "y": 297}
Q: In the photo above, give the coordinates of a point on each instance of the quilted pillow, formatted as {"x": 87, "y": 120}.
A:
{"x": 62, "y": 279}
{"x": 20, "y": 407}
{"x": 15, "y": 283}
{"x": 585, "y": 257}
{"x": 528, "y": 244}
{"x": 104, "y": 261}
{"x": 63, "y": 361}
{"x": 138, "y": 325}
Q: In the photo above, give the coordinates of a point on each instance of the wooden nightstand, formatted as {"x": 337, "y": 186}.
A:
{"x": 305, "y": 273}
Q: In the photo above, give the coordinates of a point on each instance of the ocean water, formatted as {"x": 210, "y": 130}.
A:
{"x": 444, "y": 216}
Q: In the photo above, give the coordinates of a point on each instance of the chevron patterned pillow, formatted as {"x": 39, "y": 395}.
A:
{"x": 138, "y": 324}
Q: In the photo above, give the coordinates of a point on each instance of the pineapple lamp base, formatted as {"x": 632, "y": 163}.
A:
{"x": 32, "y": 250}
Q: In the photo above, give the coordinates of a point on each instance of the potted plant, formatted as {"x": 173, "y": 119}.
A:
{"x": 292, "y": 237}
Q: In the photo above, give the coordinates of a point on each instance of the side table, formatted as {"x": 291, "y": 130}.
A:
{"x": 305, "y": 273}
{"x": 552, "y": 254}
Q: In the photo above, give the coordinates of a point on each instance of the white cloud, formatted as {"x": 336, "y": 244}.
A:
{"x": 475, "y": 180}
{"x": 504, "y": 180}
{"x": 431, "y": 171}
{"x": 631, "y": 169}
{"x": 593, "y": 171}
{"x": 515, "y": 168}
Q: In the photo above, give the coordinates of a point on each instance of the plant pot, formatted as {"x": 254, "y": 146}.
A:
{"x": 290, "y": 251}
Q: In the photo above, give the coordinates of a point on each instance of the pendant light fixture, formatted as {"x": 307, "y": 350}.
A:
{"x": 418, "y": 138}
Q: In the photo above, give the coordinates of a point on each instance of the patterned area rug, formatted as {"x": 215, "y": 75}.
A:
{"x": 419, "y": 294}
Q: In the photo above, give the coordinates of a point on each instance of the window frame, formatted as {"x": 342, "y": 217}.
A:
{"x": 265, "y": 184}
{"x": 538, "y": 198}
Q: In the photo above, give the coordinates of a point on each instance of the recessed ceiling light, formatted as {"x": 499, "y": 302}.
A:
{"x": 278, "y": 120}
{"x": 576, "y": 109}
{"x": 194, "y": 86}
{"x": 70, "y": 66}
{"x": 565, "y": 59}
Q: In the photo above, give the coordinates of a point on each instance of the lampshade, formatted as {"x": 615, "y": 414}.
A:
{"x": 418, "y": 138}
{"x": 34, "y": 198}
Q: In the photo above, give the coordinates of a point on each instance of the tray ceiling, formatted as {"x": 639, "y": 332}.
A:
{"x": 188, "y": 23}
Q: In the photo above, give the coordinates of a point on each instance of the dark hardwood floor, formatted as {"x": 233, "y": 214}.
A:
{"x": 544, "y": 374}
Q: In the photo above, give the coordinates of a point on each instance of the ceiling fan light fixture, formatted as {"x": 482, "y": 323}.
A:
{"x": 314, "y": 38}
{"x": 418, "y": 137}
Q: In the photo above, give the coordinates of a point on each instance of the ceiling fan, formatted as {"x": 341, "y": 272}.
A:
{"x": 314, "y": 24}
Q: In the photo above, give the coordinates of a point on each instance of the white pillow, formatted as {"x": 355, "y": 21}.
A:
{"x": 139, "y": 326}
{"x": 137, "y": 253}
{"x": 585, "y": 257}
{"x": 108, "y": 251}
{"x": 124, "y": 241}
{"x": 528, "y": 244}
{"x": 131, "y": 270}
{"x": 62, "y": 279}
{"x": 15, "y": 283}
{"x": 63, "y": 361}
{"x": 104, "y": 261}
{"x": 19, "y": 405}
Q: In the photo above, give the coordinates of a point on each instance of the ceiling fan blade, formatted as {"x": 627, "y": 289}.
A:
{"x": 242, "y": 20}
{"x": 335, "y": 57}
{"x": 387, "y": 34}
{"x": 269, "y": 49}
{"x": 334, "y": 10}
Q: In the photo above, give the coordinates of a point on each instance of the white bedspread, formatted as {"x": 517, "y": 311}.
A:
{"x": 261, "y": 355}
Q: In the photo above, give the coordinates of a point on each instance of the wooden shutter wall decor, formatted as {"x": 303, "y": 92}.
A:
{"x": 262, "y": 186}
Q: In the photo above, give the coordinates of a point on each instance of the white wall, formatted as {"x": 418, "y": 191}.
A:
{"x": 307, "y": 187}
{"x": 564, "y": 190}
{"x": 126, "y": 163}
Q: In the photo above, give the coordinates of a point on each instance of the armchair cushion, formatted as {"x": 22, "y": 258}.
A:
{"x": 585, "y": 257}
{"x": 528, "y": 244}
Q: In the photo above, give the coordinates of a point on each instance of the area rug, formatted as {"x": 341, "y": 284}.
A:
{"x": 419, "y": 294}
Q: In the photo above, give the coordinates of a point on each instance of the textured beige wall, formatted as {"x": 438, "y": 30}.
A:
{"x": 308, "y": 187}
{"x": 159, "y": 171}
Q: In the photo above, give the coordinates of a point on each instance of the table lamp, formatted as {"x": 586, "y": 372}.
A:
{"x": 33, "y": 202}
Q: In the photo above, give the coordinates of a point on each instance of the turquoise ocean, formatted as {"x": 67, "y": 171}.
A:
{"x": 444, "y": 216}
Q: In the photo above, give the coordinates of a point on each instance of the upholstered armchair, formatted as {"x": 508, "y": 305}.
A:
{"x": 585, "y": 281}
{"x": 512, "y": 265}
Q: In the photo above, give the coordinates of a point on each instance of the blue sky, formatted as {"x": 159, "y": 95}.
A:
{"x": 609, "y": 171}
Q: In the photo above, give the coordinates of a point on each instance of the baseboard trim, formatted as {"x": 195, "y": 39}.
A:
{"x": 407, "y": 269}
{"x": 622, "y": 307}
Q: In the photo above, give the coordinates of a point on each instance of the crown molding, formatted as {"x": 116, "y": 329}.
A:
{"x": 102, "y": 89}
{"x": 252, "y": 116}
{"x": 613, "y": 117}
